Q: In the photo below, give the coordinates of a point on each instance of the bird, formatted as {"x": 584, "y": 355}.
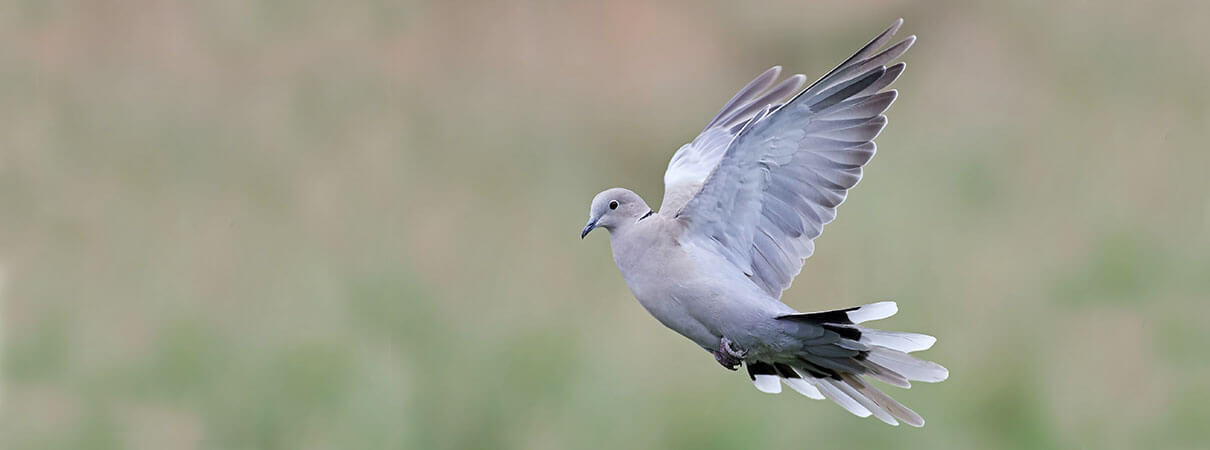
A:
{"x": 743, "y": 203}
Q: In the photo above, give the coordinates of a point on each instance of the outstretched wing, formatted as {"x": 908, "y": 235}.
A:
{"x": 764, "y": 178}
{"x": 694, "y": 162}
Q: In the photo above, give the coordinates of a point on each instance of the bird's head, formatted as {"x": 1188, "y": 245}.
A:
{"x": 615, "y": 208}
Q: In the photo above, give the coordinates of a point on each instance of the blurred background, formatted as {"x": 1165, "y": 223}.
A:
{"x": 308, "y": 225}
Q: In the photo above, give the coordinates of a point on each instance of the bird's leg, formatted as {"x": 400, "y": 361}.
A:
{"x": 729, "y": 354}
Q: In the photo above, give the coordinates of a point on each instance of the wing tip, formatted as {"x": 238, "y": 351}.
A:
{"x": 894, "y": 28}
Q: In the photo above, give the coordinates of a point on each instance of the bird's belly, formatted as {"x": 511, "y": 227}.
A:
{"x": 701, "y": 304}
{"x": 672, "y": 291}
{"x": 683, "y": 323}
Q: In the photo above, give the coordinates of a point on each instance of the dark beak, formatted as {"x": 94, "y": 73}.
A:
{"x": 587, "y": 228}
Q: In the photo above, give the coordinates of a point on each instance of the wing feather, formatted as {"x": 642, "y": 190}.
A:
{"x": 745, "y": 96}
{"x": 767, "y": 174}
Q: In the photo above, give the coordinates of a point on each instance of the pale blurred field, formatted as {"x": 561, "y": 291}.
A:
{"x": 305, "y": 225}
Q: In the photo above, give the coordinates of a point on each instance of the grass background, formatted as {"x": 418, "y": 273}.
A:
{"x": 295, "y": 225}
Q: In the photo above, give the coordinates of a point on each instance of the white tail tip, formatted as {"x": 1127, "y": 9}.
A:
{"x": 873, "y": 311}
{"x": 767, "y": 384}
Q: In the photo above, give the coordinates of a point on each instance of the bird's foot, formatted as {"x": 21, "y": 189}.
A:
{"x": 729, "y": 354}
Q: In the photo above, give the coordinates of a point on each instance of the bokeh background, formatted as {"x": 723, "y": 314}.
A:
{"x": 307, "y": 225}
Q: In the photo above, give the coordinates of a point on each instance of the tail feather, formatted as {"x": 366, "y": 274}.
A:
{"x": 907, "y": 365}
{"x": 767, "y": 383}
{"x": 874, "y": 408}
{"x": 872, "y": 311}
{"x": 897, "y": 340}
{"x": 885, "y": 375}
{"x": 837, "y": 355}
{"x": 764, "y": 376}
{"x": 832, "y": 392}
{"x": 803, "y": 387}
{"x": 885, "y": 402}
{"x": 793, "y": 379}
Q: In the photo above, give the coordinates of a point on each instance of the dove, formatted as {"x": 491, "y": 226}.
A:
{"x": 743, "y": 203}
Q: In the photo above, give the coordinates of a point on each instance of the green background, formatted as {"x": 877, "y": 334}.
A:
{"x": 305, "y": 224}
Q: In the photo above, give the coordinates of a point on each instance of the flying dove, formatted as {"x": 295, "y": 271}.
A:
{"x": 743, "y": 203}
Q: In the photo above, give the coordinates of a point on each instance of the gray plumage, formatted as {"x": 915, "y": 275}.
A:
{"x": 743, "y": 203}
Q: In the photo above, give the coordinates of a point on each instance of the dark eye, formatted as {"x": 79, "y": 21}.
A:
{"x": 613, "y": 204}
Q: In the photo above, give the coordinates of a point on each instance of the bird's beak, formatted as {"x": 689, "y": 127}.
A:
{"x": 587, "y": 228}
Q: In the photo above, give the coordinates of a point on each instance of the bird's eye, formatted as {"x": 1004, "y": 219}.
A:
{"x": 613, "y": 204}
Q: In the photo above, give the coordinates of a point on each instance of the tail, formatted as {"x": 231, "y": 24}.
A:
{"x": 838, "y": 355}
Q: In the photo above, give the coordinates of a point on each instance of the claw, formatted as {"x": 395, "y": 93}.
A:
{"x": 726, "y": 360}
{"x": 732, "y": 349}
{"x": 729, "y": 355}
